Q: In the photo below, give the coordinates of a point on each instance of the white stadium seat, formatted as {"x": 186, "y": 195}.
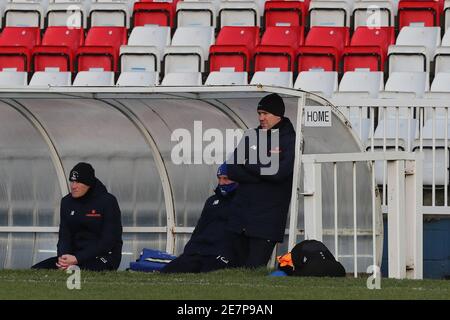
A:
{"x": 182, "y": 79}
{"x": 51, "y": 79}
{"x": 109, "y": 13}
{"x": 138, "y": 79}
{"x": 189, "y": 49}
{"x": 145, "y": 48}
{"x": 362, "y": 81}
{"x": 143, "y": 58}
{"x": 24, "y": 14}
{"x": 273, "y": 78}
{"x": 441, "y": 82}
{"x": 374, "y": 13}
{"x": 196, "y": 13}
{"x": 329, "y": 13}
{"x": 416, "y": 83}
{"x": 94, "y": 78}
{"x": 227, "y": 78}
{"x": 13, "y": 79}
{"x": 68, "y": 13}
{"x": 239, "y": 13}
{"x": 320, "y": 82}
{"x": 441, "y": 170}
{"x": 414, "y": 49}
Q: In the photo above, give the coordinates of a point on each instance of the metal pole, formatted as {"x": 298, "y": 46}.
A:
{"x": 414, "y": 218}
{"x": 336, "y": 233}
{"x": 355, "y": 225}
{"x": 295, "y": 196}
{"x": 396, "y": 219}
{"x": 313, "y": 201}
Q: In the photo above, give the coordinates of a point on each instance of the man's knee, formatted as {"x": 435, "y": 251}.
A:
{"x": 49, "y": 263}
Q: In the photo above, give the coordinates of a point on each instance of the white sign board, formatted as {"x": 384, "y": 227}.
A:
{"x": 317, "y": 116}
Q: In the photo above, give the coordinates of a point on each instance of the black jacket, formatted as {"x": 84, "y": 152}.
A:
{"x": 260, "y": 207}
{"x": 91, "y": 226}
{"x": 208, "y": 237}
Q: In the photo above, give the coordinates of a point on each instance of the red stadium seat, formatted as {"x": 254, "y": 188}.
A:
{"x": 234, "y": 48}
{"x": 292, "y": 13}
{"x": 58, "y": 48}
{"x": 278, "y": 47}
{"x": 283, "y": 36}
{"x": 154, "y": 12}
{"x": 368, "y": 48}
{"x": 15, "y": 47}
{"x": 20, "y": 36}
{"x": 101, "y": 49}
{"x": 419, "y": 11}
{"x": 323, "y": 48}
{"x": 14, "y": 57}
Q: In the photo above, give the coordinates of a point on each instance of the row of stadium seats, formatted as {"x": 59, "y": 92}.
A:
{"x": 218, "y": 13}
{"x": 327, "y": 84}
{"x": 195, "y": 49}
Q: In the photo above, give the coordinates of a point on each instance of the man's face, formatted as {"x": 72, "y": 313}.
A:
{"x": 78, "y": 189}
{"x": 223, "y": 180}
{"x": 267, "y": 120}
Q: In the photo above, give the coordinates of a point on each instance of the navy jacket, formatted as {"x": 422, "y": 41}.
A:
{"x": 91, "y": 226}
{"x": 260, "y": 207}
{"x": 208, "y": 237}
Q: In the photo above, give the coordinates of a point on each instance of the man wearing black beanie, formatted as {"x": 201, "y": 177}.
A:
{"x": 271, "y": 104}
{"x": 90, "y": 230}
{"x": 257, "y": 219}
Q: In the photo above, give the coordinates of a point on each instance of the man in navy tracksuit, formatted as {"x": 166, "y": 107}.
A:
{"x": 259, "y": 210}
{"x": 204, "y": 252}
{"x": 90, "y": 230}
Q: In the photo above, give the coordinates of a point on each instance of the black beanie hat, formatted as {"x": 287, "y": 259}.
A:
{"x": 273, "y": 104}
{"x": 84, "y": 173}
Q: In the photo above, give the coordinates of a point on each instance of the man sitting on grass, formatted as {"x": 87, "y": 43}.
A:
{"x": 204, "y": 252}
{"x": 90, "y": 230}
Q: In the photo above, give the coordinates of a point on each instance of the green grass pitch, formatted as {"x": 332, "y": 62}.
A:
{"x": 220, "y": 285}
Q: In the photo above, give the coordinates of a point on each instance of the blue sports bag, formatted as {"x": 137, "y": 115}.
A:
{"x": 151, "y": 260}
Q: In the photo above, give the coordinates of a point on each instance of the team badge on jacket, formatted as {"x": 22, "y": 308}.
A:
{"x": 93, "y": 213}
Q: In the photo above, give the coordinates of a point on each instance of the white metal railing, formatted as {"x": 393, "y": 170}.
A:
{"x": 421, "y": 125}
{"x": 404, "y": 189}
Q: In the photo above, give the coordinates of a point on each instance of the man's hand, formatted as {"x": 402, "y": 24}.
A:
{"x": 66, "y": 261}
